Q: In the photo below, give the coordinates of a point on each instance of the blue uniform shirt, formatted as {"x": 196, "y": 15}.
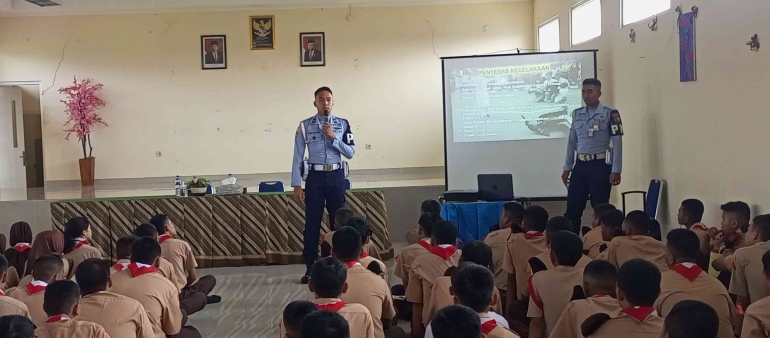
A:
{"x": 610, "y": 129}
{"x": 321, "y": 149}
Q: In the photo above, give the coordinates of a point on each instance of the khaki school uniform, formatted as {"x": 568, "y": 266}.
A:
{"x": 545, "y": 257}
{"x": 497, "y": 241}
{"x": 120, "y": 316}
{"x": 689, "y": 281}
{"x": 365, "y": 260}
{"x": 11, "y": 306}
{"x": 756, "y": 321}
{"x": 80, "y": 254}
{"x": 520, "y": 248}
{"x": 180, "y": 254}
{"x": 412, "y": 235}
{"x": 371, "y": 291}
{"x": 69, "y": 328}
{"x": 577, "y": 311}
{"x": 551, "y": 291}
{"x": 748, "y": 280}
{"x": 644, "y": 323}
{"x": 625, "y": 248}
{"x": 592, "y": 240}
{"x": 32, "y": 296}
{"x": 359, "y": 319}
{"x": 164, "y": 268}
{"x": 407, "y": 256}
{"x": 11, "y": 278}
{"x": 424, "y": 271}
{"x": 441, "y": 298}
{"x": 157, "y": 294}
{"x": 492, "y": 329}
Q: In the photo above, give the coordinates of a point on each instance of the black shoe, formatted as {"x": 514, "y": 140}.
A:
{"x": 308, "y": 266}
{"x": 213, "y": 299}
{"x": 305, "y": 279}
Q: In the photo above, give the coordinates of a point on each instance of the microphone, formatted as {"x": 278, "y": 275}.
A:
{"x": 326, "y": 113}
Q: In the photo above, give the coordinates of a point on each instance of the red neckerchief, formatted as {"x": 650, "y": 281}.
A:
{"x": 333, "y": 307}
{"x": 351, "y": 263}
{"x": 699, "y": 226}
{"x": 533, "y": 234}
{"x": 2, "y": 293}
{"x": 364, "y": 254}
{"x": 640, "y": 313}
{"x": 444, "y": 253}
{"x": 33, "y": 289}
{"x": 57, "y": 318}
{"x": 79, "y": 244}
{"x": 425, "y": 244}
{"x": 690, "y": 272}
{"x": 164, "y": 237}
{"x": 488, "y": 326}
{"x": 533, "y": 294}
{"x": 120, "y": 266}
{"x": 20, "y": 247}
{"x": 136, "y": 270}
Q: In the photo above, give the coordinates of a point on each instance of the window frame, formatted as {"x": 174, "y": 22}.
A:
{"x": 558, "y": 30}
{"x": 624, "y": 24}
{"x": 572, "y": 22}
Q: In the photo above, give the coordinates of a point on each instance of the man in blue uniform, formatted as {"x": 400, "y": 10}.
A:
{"x": 326, "y": 138}
{"x": 592, "y": 166}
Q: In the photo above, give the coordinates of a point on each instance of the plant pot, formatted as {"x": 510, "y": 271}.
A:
{"x": 198, "y": 191}
{"x": 87, "y": 171}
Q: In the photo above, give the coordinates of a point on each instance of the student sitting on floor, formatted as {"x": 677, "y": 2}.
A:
{"x": 410, "y": 252}
{"x": 456, "y": 321}
{"x": 365, "y": 287}
{"x": 431, "y": 207}
{"x": 691, "y": 319}
{"x": 543, "y": 260}
{"x": 637, "y": 243}
{"x": 361, "y": 225}
{"x": 592, "y": 240}
{"x": 748, "y": 282}
{"x": 729, "y": 238}
{"x": 611, "y": 223}
{"x": 180, "y": 254}
{"x": 510, "y": 222}
{"x": 690, "y": 215}
{"x": 551, "y": 290}
{"x": 119, "y": 315}
{"x": 327, "y": 283}
{"x": 756, "y": 321}
{"x": 15, "y": 326}
{"x": 638, "y": 287}
{"x": 61, "y": 306}
{"x": 20, "y": 239}
{"x": 49, "y": 242}
{"x": 10, "y": 306}
{"x": 293, "y": 314}
{"x": 599, "y": 279}
{"x": 77, "y": 242}
{"x": 325, "y": 324}
{"x": 686, "y": 280}
{"x": 160, "y": 298}
{"x": 48, "y": 269}
{"x": 340, "y": 217}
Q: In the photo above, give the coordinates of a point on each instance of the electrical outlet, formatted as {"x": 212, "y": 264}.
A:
{"x": 368, "y": 146}
{"x": 158, "y": 154}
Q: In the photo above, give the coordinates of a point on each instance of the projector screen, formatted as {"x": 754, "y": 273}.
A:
{"x": 511, "y": 114}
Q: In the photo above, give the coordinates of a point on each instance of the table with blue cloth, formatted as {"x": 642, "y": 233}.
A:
{"x": 472, "y": 219}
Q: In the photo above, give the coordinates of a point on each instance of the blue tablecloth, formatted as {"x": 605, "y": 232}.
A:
{"x": 472, "y": 219}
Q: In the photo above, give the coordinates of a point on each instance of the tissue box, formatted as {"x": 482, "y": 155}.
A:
{"x": 230, "y": 189}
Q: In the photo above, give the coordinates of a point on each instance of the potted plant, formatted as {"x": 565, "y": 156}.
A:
{"x": 198, "y": 186}
{"x": 82, "y": 103}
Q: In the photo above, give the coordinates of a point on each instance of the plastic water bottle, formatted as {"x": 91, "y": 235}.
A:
{"x": 183, "y": 190}
{"x": 178, "y": 186}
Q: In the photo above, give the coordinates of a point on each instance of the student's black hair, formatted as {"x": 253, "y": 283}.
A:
{"x": 159, "y": 221}
{"x": 567, "y": 247}
{"x": 146, "y": 230}
{"x": 694, "y": 209}
{"x": 322, "y": 89}
{"x": 432, "y": 207}
{"x": 426, "y": 222}
{"x": 92, "y": 276}
{"x": 602, "y": 274}
{"x": 537, "y": 217}
{"x": 342, "y": 215}
{"x": 655, "y": 229}
{"x": 683, "y": 244}
{"x": 325, "y": 324}
{"x": 46, "y": 266}
{"x": 592, "y": 82}
{"x": 456, "y": 321}
{"x": 328, "y": 276}
{"x": 558, "y": 223}
{"x": 515, "y": 210}
{"x": 640, "y": 281}
{"x": 691, "y": 319}
{"x": 73, "y": 229}
{"x": 640, "y": 221}
{"x": 766, "y": 264}
{"x": 15, "y": 326}
{"x": 740, "y": 208}
{"x": 613, "y": 219}
{"x": 477, "y": 252}
{"x": 123, "y": 246}
{"x": 60, "y": 297}
{"x": 361, "y": 225}
{"x": 145, "y": 250}
{"x": 3, "y": 265}
{"x": 474, "y": 286}
{"x": 346, "y": 244}
{"x": 295, "y": 312}
{"x": 761, "y": 224}
{"x": 444, "y": 232}
{"x": 602, "y": 208}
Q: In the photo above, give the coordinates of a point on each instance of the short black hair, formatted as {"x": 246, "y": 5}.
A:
{"x": 342, "y": 215}
{"x": 295, "y": 312}
{"x": 612, "y": 218}
{"x": 15, "y": 326}
{"x": 325, "y": 324}
{"x": 691, "y": 319}
{"x": 683, "y": 244}
{"x": 92, "y": 275}
{"x": 477, "y": 252}
{"x": 444, "y": 232}
{"x": 215, "y": 42}
{"x": 432, "y": 207}
{"x": 474, "y": 286}
{"x": 740, "y": 208}
{"x": 159, "y": 221}
{"x": 602, "y": 274}
{"x": 328, "y": 276}
{"x": 602, "y": 208}
{"x": 145, "y": 250}
{"x": 558, "y": 223}
{"x": 639, "y": 220}
{"x": 456, "y": 321}
{"x": 322, "y": 89}
{"x": 592, "y": 82}
{"x": 766, "y": 264}
{"x": 693, "y": 208}
{"x": 537, "y": 217}
{"x": 147, "y": 230}
{"x": 426, "y": 222}
{"x": 123, "y": 246}
{"x": 60, "y": 297}
{"x": 761, "y": 224}
{"x": 514, "y": 209}
{"x": 47, "y": 266}
{"x": 567, "y": 247}
{"x": 361, "y": 225}
{"x": 346, "y": 244}
{"x": 640, "y": 281}
{"x": 3, "y": 265}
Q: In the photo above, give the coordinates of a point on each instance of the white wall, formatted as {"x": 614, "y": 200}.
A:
{"x": 706, "y": 138}
{"x": 382, "y": 66}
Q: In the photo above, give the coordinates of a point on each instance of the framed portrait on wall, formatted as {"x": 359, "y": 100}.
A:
{"x": 213, "y": 52}
{"x": 312, "y": 49}
{"x": 262, "y": 32}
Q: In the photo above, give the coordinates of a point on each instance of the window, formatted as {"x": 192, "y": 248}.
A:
{"x": 548, "y": 36}
{"x": 637, "y": 10}
{"x": 586, "y": 21}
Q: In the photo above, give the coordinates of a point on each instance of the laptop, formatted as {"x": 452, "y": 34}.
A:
{"x": 495, "y": 187}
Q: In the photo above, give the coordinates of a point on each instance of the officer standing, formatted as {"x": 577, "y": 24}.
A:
{"x": 326, "y": 138}
{"x": 596, "y": 167}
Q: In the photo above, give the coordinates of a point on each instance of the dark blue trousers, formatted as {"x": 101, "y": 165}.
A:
{"x": 590, "y": 178}
{"x": 322, "y": 190}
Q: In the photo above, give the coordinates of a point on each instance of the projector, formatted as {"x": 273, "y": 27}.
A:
{"x": 460, "y": 196}
{"x": 43, "y": 3}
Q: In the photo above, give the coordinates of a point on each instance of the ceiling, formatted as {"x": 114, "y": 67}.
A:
{"x": 85, "y": 7}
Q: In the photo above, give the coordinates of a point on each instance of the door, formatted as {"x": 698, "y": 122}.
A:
{"x": 13, "y": 174}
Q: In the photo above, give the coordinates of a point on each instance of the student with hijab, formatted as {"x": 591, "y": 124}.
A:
{"x": 20, "y": 239}
{"x": 45, "y": 243}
